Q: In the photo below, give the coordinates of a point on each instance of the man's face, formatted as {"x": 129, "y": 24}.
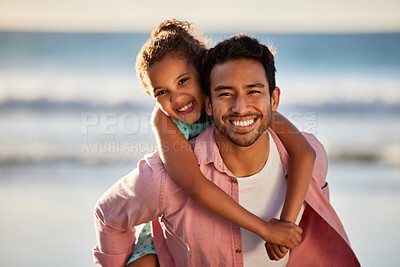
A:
{"x": 241, "y": 105}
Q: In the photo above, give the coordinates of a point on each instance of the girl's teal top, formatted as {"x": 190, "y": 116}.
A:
{"x": 190, "y": 130}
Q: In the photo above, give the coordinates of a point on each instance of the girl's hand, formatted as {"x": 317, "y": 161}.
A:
{"x": 283, "y": 233}
{"x": 276, "y": 252}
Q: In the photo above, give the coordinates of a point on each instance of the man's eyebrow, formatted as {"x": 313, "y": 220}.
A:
{"x": 227, "y": 87}
{"x": 222, "y": 87}
{"x": 260, "y": 85}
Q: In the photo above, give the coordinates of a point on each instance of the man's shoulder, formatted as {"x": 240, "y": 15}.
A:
{"x": 311, "y": 139}
{"x": 150, "y": 165}
{"x": 321, "y": 157}
{"x": 144, "y": 180}
{"x": 314, "y": 142}
{"x": 148, "y": 169}
{"x": 152, "y": 159}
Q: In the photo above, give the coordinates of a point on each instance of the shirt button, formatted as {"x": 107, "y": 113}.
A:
{"x": 238, "y": 250}
{"x": 234, "y": 181}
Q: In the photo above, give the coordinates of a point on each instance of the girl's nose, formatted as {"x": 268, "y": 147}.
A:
{"x": 176, "y": 97}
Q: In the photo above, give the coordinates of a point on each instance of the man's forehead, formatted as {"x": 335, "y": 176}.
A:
{"x": 241, "y": 70}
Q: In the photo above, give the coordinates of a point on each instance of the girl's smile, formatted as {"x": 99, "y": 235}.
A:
{"x": 176, "y": 88}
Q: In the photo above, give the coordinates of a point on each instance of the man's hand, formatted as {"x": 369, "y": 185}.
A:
{"x": 283, "y": 233}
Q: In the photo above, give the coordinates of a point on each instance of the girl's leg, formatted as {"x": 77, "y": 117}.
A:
{"x": 148, "y": 260}
{"x": 144, "y": 254}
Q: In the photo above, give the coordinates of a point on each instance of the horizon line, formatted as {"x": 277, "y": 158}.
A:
{"x": 206, "y": 32}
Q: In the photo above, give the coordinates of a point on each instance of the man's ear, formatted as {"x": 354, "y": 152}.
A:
{"x": 208, "y": 105}
{"x": 275, "y": 98}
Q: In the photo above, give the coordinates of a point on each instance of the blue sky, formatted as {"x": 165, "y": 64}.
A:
{"x": 209, "y": 15}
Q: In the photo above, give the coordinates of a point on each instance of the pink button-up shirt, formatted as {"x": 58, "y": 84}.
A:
{"x": 186, "y": 234}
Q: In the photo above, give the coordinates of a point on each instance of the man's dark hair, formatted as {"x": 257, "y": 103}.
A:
{"x": 239, "y": 47}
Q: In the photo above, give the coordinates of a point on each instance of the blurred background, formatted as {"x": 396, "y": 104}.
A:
{"x": 73, "y": 118}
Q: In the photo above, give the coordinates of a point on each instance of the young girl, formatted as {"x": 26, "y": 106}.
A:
{"x": 169, "y": 67}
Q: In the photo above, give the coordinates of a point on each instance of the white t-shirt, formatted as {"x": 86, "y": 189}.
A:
{"x": 263, "y": 194}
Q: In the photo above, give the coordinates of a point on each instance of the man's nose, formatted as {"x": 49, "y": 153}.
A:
{"x": 240, "y": 105}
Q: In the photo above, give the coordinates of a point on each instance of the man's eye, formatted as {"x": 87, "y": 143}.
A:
{"x": 182, "y": 81}
{"x": 254, "y": 92}
{"x": 224, "y": 94}
{"x": 160, "y": 92}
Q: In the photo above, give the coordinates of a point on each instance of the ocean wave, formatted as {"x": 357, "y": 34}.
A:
{"x": 128, "y": 151}
{"x": 45, "y": 105}
{"x": 389, "y": 154}
{"x": 98, "y": 88}
{"x": 45, "y": 159}
{"x": 315, "y": 89}
{"x": 346, "y": 107}
{"x": 119, "y": 87}
{"x": 104, "y": 153}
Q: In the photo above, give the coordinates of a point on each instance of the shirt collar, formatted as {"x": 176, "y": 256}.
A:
{"x": 206, "y": 150}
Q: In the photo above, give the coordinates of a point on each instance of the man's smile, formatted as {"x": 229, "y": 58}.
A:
{"x": 242, "y": 123}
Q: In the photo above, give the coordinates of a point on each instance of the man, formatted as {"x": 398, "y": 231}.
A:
{"x": 239, "y": 145}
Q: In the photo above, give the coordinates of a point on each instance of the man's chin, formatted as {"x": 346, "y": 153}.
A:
{"x": 245, "y": 142}
{"x": 242, "y": 139}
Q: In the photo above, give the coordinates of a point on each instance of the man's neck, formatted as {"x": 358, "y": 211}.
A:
{"x": 244, "y": 161}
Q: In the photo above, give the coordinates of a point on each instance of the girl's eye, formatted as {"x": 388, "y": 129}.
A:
{"x": 160, "y": 92}
{"x": 182, "y": 81}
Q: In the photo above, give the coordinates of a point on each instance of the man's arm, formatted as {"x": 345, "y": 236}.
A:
{"x": 133, "y": 200}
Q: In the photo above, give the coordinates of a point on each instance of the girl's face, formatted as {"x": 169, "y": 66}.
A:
{"x": 175, "y": 87}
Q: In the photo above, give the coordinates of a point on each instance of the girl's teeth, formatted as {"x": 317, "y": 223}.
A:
{"x": 186, "y": 107}
{"x": 242, "y": 123}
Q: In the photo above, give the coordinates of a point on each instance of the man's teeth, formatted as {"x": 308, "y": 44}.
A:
{"x": 186, "y": 107}
{"x": 243, "y": 123}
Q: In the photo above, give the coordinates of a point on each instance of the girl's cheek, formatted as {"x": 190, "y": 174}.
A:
{"x": 161, "y": 106}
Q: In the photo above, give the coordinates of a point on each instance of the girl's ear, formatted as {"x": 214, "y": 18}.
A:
{"x": 275, "y": 99}
{"x": 208, "y": 105}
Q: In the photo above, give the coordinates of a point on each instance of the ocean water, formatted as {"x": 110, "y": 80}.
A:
{"x": 73, "y": 120}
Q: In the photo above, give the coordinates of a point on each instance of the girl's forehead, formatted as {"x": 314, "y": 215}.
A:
{"x": 171, "y": 64}
{"x": 168, "y": 71}
{"x": 175, "y": 57}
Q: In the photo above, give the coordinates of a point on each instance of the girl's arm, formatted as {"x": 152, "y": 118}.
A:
{"x": 301, "y": 164}
{"x": 182, "y": 167}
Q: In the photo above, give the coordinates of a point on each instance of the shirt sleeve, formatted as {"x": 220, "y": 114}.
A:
{"x": 321, "y": 159}
{"x": 133, "y": 200}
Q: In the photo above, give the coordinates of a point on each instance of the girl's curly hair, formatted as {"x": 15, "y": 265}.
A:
{"x": 172, "y": 37}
